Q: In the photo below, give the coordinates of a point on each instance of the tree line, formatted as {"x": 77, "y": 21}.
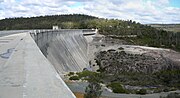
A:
{"x": 146, "y": 35}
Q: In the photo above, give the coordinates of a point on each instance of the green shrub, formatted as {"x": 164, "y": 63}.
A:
{"x": 141, "y": 92}
{"x": 169, "y": 77}
{"x": 93, "y": 90}
{"x": 111, "y": 50}
{"x": 123, "y": 52}
{"x": 98, "y": 70}
{"x": 71, "y": 73}
{"x": 157, "y": 90}
{"x": 117, "y": 88}
{"x": 121, "y": 48}
{"x": 102, "y": 45}
{"x": 166, "y": 90}
{"x": 74, "y": 78}
{"x": 85, "y": 73}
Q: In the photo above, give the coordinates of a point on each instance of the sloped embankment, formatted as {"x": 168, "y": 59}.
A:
{"x": 65, "y": 49}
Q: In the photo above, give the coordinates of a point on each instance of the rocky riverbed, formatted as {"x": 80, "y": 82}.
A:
{"x": 134, "y": 67}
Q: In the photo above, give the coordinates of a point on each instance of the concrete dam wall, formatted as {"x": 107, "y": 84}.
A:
{"x": 32, "y": 61}
{"x": 25, "y": 72}
{"x": 65, "y": 49}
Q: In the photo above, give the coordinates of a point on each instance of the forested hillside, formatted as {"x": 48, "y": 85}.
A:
{"x": 167, "y": 27}
{"x": 44, "y": 22}
{"x": 120, "y": 29}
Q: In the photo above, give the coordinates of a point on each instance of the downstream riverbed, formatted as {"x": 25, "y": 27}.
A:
{"x": 101, "y": 44}
{"x": 79, "y": 87}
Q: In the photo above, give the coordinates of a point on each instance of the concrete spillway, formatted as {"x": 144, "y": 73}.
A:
{"x": 28, "y": 68}
{"x": 65, "y": 49}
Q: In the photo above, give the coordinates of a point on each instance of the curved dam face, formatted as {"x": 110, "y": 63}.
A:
{"x": 25, "y": 72}
{"x": 65, "y": 49}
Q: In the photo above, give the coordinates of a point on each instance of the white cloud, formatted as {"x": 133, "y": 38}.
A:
{"x": 1, "y": 1}
{"x": 144, "y": 11}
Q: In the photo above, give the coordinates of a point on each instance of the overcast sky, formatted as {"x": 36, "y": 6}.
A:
{"x": 143, "y": 11}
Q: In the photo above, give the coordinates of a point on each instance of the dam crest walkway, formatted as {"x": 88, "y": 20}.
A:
{"x": 25, "y": 72}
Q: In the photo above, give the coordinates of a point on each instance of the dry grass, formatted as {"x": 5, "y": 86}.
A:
{"x": 79, "y": 95}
